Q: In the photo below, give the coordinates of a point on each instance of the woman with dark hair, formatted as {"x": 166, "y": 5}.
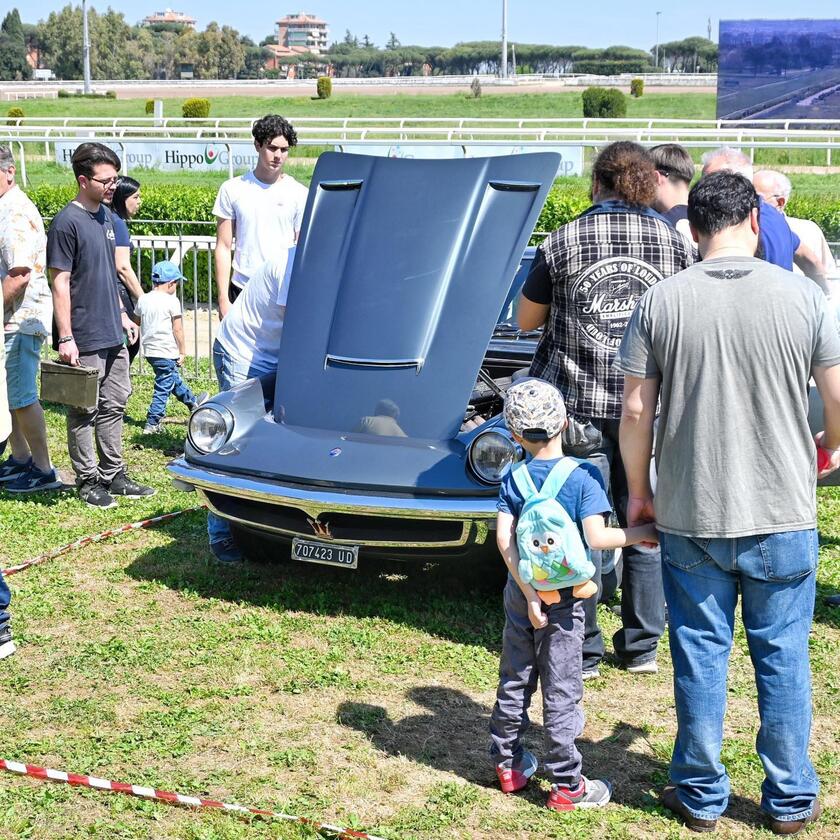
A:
{"x": 124, "y": 205}
{"x": 584, "y": 284}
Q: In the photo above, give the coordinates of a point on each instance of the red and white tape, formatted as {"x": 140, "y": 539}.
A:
{"x": 46, "y": 774}
{"x": 104, "y": 535}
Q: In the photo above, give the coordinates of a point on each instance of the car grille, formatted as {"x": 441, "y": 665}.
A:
{"x": 346, "y": 527}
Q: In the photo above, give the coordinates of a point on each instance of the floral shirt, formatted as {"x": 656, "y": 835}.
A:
{"x": 23, "y": 244}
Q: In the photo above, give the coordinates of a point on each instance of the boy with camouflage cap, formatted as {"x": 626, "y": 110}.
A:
{"x": 543, "y": 637}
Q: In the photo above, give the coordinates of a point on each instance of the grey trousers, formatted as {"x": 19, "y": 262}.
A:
{"x": 105, "y": 422}
{"x": 552, "y": 656}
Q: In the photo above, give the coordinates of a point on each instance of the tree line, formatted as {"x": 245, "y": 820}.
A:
{"x": 120, "y": 50}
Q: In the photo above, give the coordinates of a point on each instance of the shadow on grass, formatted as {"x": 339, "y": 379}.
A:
{"x": 460, "y": 602}
{"x": 453, "y": 736}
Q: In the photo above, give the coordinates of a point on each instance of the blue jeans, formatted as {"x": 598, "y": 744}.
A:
{"x": 167, "y": 381}
{"x": 230, "y": 373}
{"x": 5, "y": 599}
{"x": 776, "y": 576}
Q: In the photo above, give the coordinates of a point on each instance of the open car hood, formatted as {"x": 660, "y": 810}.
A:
{"x": 401, "y": 270}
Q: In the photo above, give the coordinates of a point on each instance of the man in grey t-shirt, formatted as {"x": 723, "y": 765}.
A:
{"x": 728, "y": 346}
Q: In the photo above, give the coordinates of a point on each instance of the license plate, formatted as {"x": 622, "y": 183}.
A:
{"x": 346, "y": 556}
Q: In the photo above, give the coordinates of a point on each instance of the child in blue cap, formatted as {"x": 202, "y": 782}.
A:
{"x": 162, "y": 340}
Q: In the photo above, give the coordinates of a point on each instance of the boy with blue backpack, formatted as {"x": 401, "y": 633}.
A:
{"x": 547, "y": 506}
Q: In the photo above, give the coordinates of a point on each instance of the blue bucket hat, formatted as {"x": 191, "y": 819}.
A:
{"x": 166, "y": 271}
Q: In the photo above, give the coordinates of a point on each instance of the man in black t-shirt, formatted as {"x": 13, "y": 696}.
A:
{"x": 90, "y": 320}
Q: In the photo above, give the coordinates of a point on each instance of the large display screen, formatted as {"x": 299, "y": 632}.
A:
{"x": 779, "y": 69}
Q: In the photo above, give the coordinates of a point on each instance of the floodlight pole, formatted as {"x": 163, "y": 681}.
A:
{"x": 656, "y": 57}
{"x": 504, "y": 71}
{"x": 85, "y": 47}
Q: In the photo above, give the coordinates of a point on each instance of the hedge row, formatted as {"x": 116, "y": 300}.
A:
{"x": 178, "y": 207}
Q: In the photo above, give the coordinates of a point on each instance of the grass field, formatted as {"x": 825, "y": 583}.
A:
{"x": 361, "y": 697}
{"x": 544, "y": 105}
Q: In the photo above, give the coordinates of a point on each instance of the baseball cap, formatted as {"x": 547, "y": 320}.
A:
{"x": 166, "y": 271}
{"x": 535, "y": 410}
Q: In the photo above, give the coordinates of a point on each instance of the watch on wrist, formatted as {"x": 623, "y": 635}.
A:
{"x": 64, "y": 339}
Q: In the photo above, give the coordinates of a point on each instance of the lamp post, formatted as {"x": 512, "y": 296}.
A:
{"x": 85, "y": 47}
{"x": 504, "y": 70}
{"x": 656, "y": 57}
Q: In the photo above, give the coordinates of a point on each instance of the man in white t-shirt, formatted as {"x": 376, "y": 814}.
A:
{"x": 162, "y": 339}
{"x": 247, "y": 346}
{"x": 262, "y": 209}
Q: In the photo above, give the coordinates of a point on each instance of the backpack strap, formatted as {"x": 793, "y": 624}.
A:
{"x": 558, "y": 476}
{"x": 523, "y": 481}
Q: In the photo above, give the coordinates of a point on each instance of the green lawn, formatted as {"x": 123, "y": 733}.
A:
{"x": 520, "y": 105}
{"x": 359, "y": 698}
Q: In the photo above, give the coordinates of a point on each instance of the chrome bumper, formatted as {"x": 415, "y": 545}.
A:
{"x": 477, "y": 515}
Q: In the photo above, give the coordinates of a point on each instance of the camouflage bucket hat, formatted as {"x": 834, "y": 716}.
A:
{"x": 535, "y": 410}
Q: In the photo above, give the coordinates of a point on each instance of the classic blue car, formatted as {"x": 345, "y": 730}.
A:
{"x": 356, "y": 446}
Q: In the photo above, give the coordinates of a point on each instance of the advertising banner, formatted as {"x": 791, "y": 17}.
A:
{"x": 571, "y": 157}
{"x": 173, "y": 156}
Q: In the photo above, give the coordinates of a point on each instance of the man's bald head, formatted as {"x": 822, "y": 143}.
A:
{"x": 727, "y": 159}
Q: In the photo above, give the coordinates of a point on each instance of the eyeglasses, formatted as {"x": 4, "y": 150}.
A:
{"x": 107, "y": 182}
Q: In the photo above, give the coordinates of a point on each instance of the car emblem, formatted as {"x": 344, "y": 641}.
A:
{"x": 321, "y": 529}
{"x": 334, "y": 453}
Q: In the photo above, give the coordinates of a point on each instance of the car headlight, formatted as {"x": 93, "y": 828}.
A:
{"x": 210, "y": 428}
{"x": 491, "y": 454}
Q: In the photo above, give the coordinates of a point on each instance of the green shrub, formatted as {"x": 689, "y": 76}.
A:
{"x": 150, "y": 106}
{"x": 110, "y": 94}
{"x": 195, "y": 108}
{"x": 604, "y": 102}
{"x": 475, "y": 88}
{"x": 610, "y": 67}
{"x": 323, "y": 87}
{"x": 637, "y": 87}
{"x": 64, "y": 94}
{"x": 14, "y": 114}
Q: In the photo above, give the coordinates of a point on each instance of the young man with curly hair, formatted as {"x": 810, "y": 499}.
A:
{"x": 261, "y": 209}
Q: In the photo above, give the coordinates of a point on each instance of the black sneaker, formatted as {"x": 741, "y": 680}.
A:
{"x": 122, "y": 485}
{"x": 34, "y": 480}
{"x": 95, "y": 494}
{"x": 226, "y": 551}
{"x": 7, "y": 646}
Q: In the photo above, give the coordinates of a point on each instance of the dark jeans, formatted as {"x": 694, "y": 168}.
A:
{"x": 5, "y": 599}
{"x": 104, "y": 423}
{"x": 551, "y": 656}
{"x": 642, "y": 598}
{"x": 167, "y": 381}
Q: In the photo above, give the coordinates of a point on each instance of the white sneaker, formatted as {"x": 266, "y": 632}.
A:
{"x": 645, "y": 668}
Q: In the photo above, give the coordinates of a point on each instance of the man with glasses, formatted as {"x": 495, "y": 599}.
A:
{"x": 90, "y": 320}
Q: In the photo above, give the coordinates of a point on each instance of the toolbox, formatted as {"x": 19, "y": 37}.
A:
{"x": 69, "y": 384}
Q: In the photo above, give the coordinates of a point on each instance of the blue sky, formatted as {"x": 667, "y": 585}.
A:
{"x": 444, "y": 22}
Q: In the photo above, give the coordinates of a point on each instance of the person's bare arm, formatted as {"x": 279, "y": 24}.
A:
{"x": 599, "y": 537}
{"x": 14, "y": 285}
{"x": 506, "y": 541}
{"x": 178, "y": 333}
{"x": 636, "y": 442}
{"x": 828, "y": 384}
{"x": 811, "y": 265}
{"x": 122, "y": 257}
{"x": 530, "y": 315}
{"x": 67, "y": 351}
{"x": 223, "y": 260}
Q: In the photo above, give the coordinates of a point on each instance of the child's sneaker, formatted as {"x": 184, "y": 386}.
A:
{"x": 7, "y": 645}
{"x": 590, "y": 793}
{"x": 515, "y": 778}
{"x": 34, "y": 480}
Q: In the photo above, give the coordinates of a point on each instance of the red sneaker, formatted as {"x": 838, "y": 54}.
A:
{"x": 588, "y": 794}
{"x": 515, "y": 778}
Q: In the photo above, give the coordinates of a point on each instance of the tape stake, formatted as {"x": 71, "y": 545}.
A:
{"x": 104, "y": 535}
{"x": 95, "y": 783}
